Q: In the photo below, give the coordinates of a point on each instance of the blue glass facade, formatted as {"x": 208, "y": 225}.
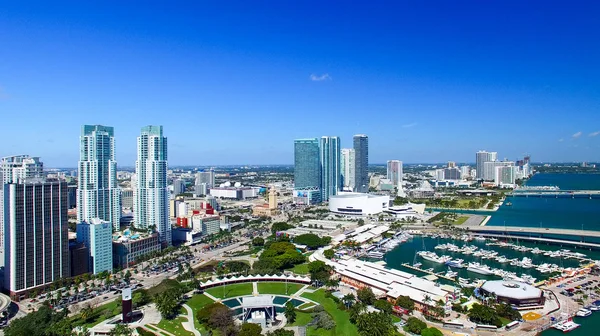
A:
{"x": 330, "y": 166}
{"x": 307, "y": 165}
{"x": 361, "y": 154}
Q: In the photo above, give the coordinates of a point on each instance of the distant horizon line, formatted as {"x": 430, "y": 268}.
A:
{"x": 370, "y": 164}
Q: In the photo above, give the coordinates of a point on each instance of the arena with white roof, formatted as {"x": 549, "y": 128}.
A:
{"x": 515, "y": 293}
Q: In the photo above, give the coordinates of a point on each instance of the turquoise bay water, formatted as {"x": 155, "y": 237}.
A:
{"x": 567, "y": 181}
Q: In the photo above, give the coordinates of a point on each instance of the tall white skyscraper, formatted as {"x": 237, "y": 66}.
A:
{"x": 394, "y": 174}
{"x": 329, "y": 149}
{"x": 98, "y": 193}
{"x": 151, "y": 195}
{"x": 347, "y": 169}
{"x": 14, "y": 169}
{"x": 480, "y": 158}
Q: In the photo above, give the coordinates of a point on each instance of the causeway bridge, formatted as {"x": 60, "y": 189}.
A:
{"x": 578, "y": 238}
{"x": 591, "y": 194}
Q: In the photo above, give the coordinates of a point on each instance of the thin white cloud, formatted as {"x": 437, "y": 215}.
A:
{"x": 410, "y": 125}
{"x": 595, "y": 134}
{"x": 317, "y": 78}
{"x": 577, "y": 135}
{"x": 561, "y": 140}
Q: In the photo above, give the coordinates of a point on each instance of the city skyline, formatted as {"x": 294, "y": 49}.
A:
{"x": 433, "y": 79}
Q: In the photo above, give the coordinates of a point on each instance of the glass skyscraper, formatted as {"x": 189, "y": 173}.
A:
{"x": 361, "y": 163}
{"x": 330, "y": 166}
{"x": 347, "y": 169}
{"x": 151, "y": 196}
{"x": 307, "y": 164}
{"x": 98, "y": 194}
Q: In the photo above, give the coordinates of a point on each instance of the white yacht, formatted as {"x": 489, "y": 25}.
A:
{"x": 375, "y": 255}
{"x": 583, "y": 312}
{"x": 451, "y": 273}
{"x": 479, "y": 269}
{"x": 455, "y": 263}
{"x": 566, "y": 326}
{"x": 502, "y": 259}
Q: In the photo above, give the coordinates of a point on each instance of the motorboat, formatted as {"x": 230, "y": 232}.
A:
{"x": 479, "y": 269}
{"x": 592, "y": 307}
{"x": 566, "y": 326}
{"x": 375, "y": 255}
{"x": 583, "y": 312}
{"x": 502, "y": 259}
{"x": 455, "y": 263}
{"x": 450, "y": 273}
{"x": 417, "y": 265}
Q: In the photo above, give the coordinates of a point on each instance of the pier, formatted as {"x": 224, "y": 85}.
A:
{"x": 544, "y": 235}
{"x": 439, "y": 275}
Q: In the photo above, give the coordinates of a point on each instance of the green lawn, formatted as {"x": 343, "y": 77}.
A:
{"x": 278, "y": 288}
{"x": 174, "y": 326}
{"x": 302, "y": 319}
{"x": 460, "y": 220}
{"x": 300, "y": 269}
{"x": 99, "y": 315}
{"x": 342, "y": 318}
{"x": 223, "y": 292}
{"x": 196, "y": 303}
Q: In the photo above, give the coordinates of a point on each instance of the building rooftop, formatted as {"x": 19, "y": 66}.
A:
{"x": 511, "y": 289}
{"x": 257, "y": 301}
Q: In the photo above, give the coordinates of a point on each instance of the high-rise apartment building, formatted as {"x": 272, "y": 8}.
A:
{"x": 36, "y": 251}
{"x": 307, "y": 165}
{"x": 394, "y": 173}
{"x": 505, "y": 176}
{"x": 480, "y": 158}
{"x": 347, "y": 169}
{"x": 16, "y": 168}
{"x": 451, "y": 164}
{"x": 207, "y": 176}
{"x": 97, "y": 237}
{"x": 361, "y": 163}
{"x": 178, "y": 187}
{"x": 330, "y": 166}
{"x": 489, "y": 168}
{"x": 151, "y": 196}
{"x": 98, "y": 193}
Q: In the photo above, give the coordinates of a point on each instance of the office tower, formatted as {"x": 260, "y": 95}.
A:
{"x": 151, "y": 196}
{"x": 36, "y": 251}
{"x": 330, "y": 166}
{"x": 15, "y": 168}
{"x": 127, "y": 198}
{"x": 98, "y": 193}
{"x": 361, "y": 163}
{"x": 307, "y": 165}
{"x": 178, "y": 187}
{"x": 451, "y": 164}
{"x": 394, "y": 173}
{"x": 97, "y": 237}
{"x": 480, "y": 158}
{"x": 347, "y": 169}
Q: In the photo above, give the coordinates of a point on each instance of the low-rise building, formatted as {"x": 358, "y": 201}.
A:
{"x": 518, "y": 294}
{"x": 128, "y": 248}
{"x": 97, "y": 236}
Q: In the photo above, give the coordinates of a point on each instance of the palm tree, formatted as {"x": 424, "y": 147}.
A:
{"x": 426, "y": 301}
{"x": 348, "y": 300}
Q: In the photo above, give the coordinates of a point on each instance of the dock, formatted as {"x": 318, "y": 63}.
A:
{"x": 407, "y": 265}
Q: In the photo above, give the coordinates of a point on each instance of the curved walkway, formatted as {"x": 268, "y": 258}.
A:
{"x": 189, "y": 324}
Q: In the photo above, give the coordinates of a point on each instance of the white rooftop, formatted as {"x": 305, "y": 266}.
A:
{"x": 257, "y": 301}
{"x": 512, "y": 289}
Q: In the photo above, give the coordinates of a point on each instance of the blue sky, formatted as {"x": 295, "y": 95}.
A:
{"x": 235, "y": 83}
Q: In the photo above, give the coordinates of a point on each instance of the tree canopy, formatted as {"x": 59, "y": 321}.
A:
{"x": 312, "y": 241}
{"x": 405, "y": 302}
{"x": 375, "y": 324}
{"x": 43, "y": 322}
{"x": 280, "y": 226}
{"x": 328, "y": 253}
{"x": 319, "y": 272}
{"x": 279, "y": 256}
{"x": 250, "y": 329}
{"x": 414, "y": 325}
{"x": 366, "y": 296}
{"x": 258, "y": 241}
{"x": 484, "y": 315}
